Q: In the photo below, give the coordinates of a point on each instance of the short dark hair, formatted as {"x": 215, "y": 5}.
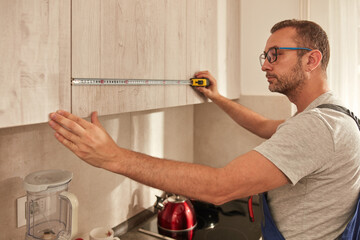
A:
{"x": 309, "y": 35}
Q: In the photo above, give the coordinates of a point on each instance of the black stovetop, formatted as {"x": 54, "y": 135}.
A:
{"x": 229, "y": 221}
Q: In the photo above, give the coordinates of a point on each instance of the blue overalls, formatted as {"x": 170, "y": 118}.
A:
{"x": 268, "y": 227}
{"x": 352, "y": 230}
{"x": 271, "y": 232}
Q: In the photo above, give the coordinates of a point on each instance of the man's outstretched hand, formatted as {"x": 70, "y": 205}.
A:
{"x": 88, "y": 140}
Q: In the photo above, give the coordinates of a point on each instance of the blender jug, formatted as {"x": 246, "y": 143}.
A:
{"x": 51, "y": 211}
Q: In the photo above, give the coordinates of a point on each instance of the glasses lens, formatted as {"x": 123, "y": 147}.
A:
{"x": 262, "y": 59}
{"x": 271, "y": 55}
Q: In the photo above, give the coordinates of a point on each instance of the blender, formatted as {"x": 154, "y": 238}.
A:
{"x": 51, "y": 211}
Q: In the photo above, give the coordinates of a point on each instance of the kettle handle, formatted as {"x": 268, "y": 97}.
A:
{"x": 70, "y": 197}
{"x": 159, "y": 205}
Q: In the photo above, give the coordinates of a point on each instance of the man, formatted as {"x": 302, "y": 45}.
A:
{"x": 309, "y": 165}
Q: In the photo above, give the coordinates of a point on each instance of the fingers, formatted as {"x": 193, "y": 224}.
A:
{"x": 197, "y": 74}
{"x": 202, "y": 89}
{"x": 95, "y": 120}
{"x": 70, "y": 145}
{"x": 66, "y": 126}
{"x": 63, "y": 131}
{"x": 210, "y": 91}
{"x": 89, "y": 141}
{"x": 206, "y": 74}
{"x": 83, "y": 123}
{"x": 203, "y": 74}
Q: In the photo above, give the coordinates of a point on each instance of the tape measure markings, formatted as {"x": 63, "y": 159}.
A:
{"x": 94, "y": 81}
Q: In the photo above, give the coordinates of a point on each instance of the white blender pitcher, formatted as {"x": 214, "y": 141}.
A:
{"x": 51, "y": 211}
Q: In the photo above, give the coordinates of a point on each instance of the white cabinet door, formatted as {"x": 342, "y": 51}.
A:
{"x": 35, "y": 60}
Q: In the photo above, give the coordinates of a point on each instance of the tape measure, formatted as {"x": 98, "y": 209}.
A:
{"x": 195, "y": 82}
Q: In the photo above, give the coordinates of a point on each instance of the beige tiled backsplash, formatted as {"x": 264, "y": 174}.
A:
{"x": 105, "y": 198}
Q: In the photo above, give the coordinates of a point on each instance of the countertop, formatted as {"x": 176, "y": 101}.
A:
{"x": 128, "y": 230}
{"x": 132, "y": 235}
{"x": 136, "y": 235}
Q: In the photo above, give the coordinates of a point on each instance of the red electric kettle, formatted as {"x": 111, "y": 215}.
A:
{"x": 176, "y": 216}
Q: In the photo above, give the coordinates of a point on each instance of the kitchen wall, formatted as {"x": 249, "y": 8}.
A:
{"x": 218, "y": 139}
{"x": 256, "y": 19}
{"x": 105, "y": 198}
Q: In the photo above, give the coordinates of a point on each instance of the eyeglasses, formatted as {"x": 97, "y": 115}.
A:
{"x": 272, "y": 53}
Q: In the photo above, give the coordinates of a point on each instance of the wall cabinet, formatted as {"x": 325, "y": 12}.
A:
{"x": 35, "y": 60}
{"x": 153, "y": 39}
{"x": 44, "y": 44}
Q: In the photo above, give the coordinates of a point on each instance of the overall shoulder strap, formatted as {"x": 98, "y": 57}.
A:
{"x": 343, "y": 110}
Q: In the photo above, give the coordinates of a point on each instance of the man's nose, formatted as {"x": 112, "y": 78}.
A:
{"x": 266, "y": 66}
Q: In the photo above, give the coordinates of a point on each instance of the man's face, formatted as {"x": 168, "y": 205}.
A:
{"x": 285, "y": 75}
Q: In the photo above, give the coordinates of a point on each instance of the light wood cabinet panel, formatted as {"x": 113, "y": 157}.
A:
{"x": 86, "y": 36}
{"x": 214, "y": 44}
{"x": 35, "y": 60}
{"x": 229, "y": 64}
{"x": 152, "y": 39}
{"x": 201, "y": 41}
{"x": 117, "y": 39}
{"x": 175, "y": 51}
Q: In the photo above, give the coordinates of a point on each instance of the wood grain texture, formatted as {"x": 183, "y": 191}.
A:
{"x": 86, "y": 38}
{"x": 154, "y": 39}
{"x": 118, "y": 38}
{"x": 126, "y": 42}
{"x": 201, "y": 41}
{"x": 175, "y": 51}
{"x": 232, "y": 48}
{"x": 35, "y": 60}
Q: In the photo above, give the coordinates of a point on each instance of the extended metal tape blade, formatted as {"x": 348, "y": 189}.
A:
{"x": 98, "y": 81}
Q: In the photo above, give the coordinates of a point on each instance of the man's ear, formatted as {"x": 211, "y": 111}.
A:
{"x": 313, "y": 60}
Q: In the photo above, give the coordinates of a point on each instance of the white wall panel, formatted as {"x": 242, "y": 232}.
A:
{"x": 257, "y": 18}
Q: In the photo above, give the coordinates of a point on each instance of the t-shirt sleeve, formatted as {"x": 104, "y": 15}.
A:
{"x": 300, "y": 146}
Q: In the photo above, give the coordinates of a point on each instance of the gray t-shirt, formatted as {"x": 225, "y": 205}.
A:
{"x": 318, "y": 150}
